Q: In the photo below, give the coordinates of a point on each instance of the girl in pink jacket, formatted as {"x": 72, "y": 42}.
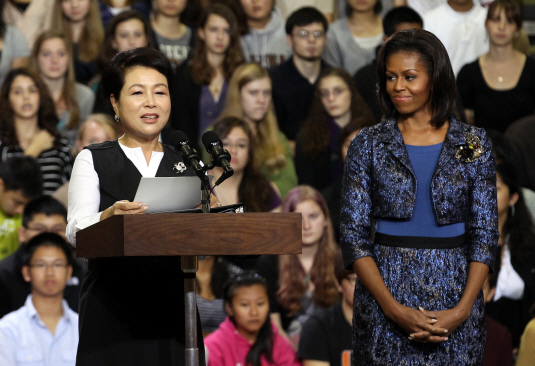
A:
{"x": 247, "y": 337}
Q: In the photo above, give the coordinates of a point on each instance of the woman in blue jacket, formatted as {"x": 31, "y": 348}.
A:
{"x": 428, "y": 183}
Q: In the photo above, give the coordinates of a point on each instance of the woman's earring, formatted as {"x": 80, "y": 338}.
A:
{"x": 512, "y": 210}
{"x": 117, "y": 119}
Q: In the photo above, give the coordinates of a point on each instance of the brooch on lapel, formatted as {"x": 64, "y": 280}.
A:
{"x": 180, "y": 167}
{"x": 471, "y": 150}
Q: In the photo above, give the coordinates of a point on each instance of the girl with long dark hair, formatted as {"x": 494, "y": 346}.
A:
{"x": 300, "y": 283}
{"x": 337, "y": 104}
{"x": 201, "y": 84}
{"x": 247, "y": 185}
{"x": 28, "y": 127}
{"x": 247, "y": 336}
{"x": 515, "y": 288}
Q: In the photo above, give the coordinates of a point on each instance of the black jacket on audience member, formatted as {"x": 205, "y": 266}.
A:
{"x": 521, "y": 135}
{"x": 292, "y": 96}
{"x": 185, "y": 99}
{"x": 14, "y": 289}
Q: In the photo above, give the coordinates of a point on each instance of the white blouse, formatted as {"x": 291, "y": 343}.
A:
{"x": 84, "y": 187}
{"x": 510, "y": 284}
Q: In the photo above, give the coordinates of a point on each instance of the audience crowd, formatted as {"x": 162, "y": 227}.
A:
{"x": 286, "y": 84}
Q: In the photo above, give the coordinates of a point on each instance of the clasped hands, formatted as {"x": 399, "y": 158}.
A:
{"x": 429, "y": 326}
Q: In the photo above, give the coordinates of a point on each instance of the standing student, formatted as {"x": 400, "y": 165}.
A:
{"x": 45, "y": 329}
{"x": 248, "y": 336}
{"x": 170, "y": 35}
{"x": 249, "y": 98}
{"x": 80, "y": 21}
{"x": 429, "y": 183}
{"x": 201, "y": 84}
{"x": 28, "y": 127}
{"x": 52, "y": 60}
{"x": 294, "y": 80}
{"x": 112, "y": 8}
{"x": 20, "y": 182}
{"x": 351, "y": 41}
{"x": 498, "y": 88}
{"x": 263, "y": 38}
{"x": 31, "y": 17}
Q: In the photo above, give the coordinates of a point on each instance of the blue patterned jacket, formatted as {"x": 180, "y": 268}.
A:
{"x": 379, "y": 181}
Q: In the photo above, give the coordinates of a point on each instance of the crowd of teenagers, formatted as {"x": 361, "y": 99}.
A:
{"x": 287, "y": 85}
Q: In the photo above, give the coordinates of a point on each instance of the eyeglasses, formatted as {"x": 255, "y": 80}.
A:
{"x": 42, "y": 266}
{"x": 316, "y": 34}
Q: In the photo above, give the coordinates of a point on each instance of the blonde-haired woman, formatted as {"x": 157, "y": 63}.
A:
{"x": 249, "y": 98}
{"x": 80, "y": 21}
{"x": 51, "y": 58}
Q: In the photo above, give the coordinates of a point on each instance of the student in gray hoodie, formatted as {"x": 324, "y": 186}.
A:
{"x": 263, "y": 36}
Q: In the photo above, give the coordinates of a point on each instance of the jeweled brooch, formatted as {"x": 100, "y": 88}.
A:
{"x": 471, "y": 150}
{"x": 180, "y": 167}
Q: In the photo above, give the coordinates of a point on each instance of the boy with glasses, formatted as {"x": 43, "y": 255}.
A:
{"x": 44, "y": 214}
{"x": 45, "y": 330}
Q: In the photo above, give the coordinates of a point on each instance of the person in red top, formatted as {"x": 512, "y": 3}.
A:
{"x": 247, "y": 336}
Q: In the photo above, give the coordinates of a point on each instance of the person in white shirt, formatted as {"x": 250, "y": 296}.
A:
{"x": 43, "y": 332}
{"x": 460, "y": 26}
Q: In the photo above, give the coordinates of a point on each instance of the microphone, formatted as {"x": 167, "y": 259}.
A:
{"x": 220, "y": 156}
{"x": 191, "y": 157}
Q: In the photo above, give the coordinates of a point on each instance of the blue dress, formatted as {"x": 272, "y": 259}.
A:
{"x": 431, "y": 278}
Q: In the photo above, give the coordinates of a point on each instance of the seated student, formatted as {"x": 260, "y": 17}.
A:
{"x": 351, "y": 41}
{"x": 294, "y": 80}
{"x": 336, "y": 104}
{"x": 201, "y": 84}
{"x": 80, "y": 21}
{"x": 395, "y": 20}
{"x": 247, "y": 336}
{"x": 97, "y": 128}
{"x": 52, "y": 59}
{"x": 212, "y": 275}
{"x": 249, "y": 98}
{"x": 112, "y": 8}
{"x": 263, "y": 39}
{"x": 499, "y": 344}
{"x": 326, "y": 339}
{"x": 171, "y": 36}
{"x": 127, "y": 30}
{"x": 526, "y": 353}
{"x": 20, "y": 182}
{"x": 45, "y": 330}
{"x": 300, "y": 283}
{"x": 44, "y": 214}
{"x": 28, "y": 127}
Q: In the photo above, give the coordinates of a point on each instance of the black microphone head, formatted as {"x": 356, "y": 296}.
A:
{"x": 211, "y": 139}
{"x": 178, "y": 138}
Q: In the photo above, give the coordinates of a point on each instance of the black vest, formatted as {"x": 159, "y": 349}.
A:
{"x": 119, "y": 177}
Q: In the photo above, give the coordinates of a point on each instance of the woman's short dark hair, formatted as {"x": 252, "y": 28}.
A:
{"x": 113, "y": 75}
{"x": 376, "y": 9}
{"x": 433, "y": 55}
{"x": 512, "y": 8}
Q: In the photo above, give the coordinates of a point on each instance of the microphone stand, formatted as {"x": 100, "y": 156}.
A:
{"x": 190, "y": 265}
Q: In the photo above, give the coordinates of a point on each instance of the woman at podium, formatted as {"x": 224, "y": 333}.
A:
{"x": 131, "y": 308}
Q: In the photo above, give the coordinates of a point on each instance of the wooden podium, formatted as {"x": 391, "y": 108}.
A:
{"x": 190, "y": 235}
